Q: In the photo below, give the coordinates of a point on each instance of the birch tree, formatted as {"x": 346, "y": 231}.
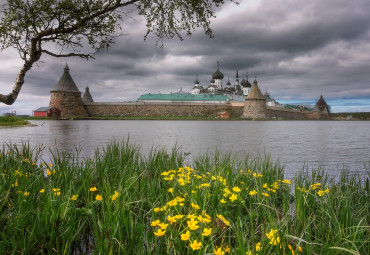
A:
{"x": 80, "y": 28}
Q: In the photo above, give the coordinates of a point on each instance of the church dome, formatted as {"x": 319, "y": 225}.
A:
{"x": 247, "y": 84}
{"x": 218, "y": 75}
{"x": 228, "y": 83}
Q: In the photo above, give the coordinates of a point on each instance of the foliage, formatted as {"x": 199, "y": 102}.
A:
{"x": 120, "y": 202}
{"x": 66, "y": 28}
{"x": 351, "y": 115}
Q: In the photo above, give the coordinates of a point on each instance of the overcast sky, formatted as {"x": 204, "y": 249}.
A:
{"x": 297, "y": 49}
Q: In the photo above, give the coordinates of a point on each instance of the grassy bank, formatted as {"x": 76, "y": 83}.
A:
{"x": 12, "y": 121}
{"x": 120, "y": 202}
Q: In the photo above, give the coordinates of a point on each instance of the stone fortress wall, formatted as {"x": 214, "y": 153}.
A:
{"x": 182, "y": 110}
{"x": 160, "y": 109}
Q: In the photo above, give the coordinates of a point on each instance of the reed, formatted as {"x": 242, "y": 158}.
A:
{"x": 122, "y": 202}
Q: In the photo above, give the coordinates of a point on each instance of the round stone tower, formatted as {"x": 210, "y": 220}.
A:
{"x": 255, "y": 104}
{"x": 67, "y": 98}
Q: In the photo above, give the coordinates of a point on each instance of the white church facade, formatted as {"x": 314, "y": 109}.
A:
{"x": 237, "y": 92}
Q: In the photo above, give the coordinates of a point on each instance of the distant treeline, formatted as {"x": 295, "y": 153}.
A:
{"x": 353, "y": 115}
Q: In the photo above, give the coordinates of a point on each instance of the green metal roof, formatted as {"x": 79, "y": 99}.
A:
{"x": 184, "y": 97}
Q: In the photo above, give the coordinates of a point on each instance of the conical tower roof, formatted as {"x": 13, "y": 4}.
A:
{"x": 66, "y": 82}
{"x": 87, "y": 98}
{"x": 255, "y": 92}
{"x": 321, "y": 102}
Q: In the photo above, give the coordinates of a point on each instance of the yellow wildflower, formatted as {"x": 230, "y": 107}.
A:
{"x": 227, "y": 248}
{"x": 223, "y": 201}
{"x": 169, "y": 178}
{"x": 248, "y": 253}
{"x": 226, "y": 191}
{"x": 302, "y": 189}
{"x": 191, "y": 216}
{"x": 115, "y": 196}
{"x": 48, "y": 172}
{"x": 195, "y": 245}
{"x": 273, "y": 236}
{"x": 193, "y": 224}
{"x": 179, "y": 216}
{"x": 74, "y": 197}
{"x": 253, "y": 192}
{"x": 195, "y": 206}
{"x": 286, "y": 181}
{"x": 159, "y": 232}
{"x": 236, "y": 189}
{"x": 181, "y": 181}
{"x": 258, "y": 247}
{"x": 207, "y": 231}
{"x": 233, "y": 197}
{"x": 56, "y": 192}
{"x": 171, "y": 219}
{"x": 227, "y": 223}
{"x": 42, "y": 190}
{"x": 300, "y": 248}
{"x": 26, "y": 193}
{"x": 170, "y": 190}
{"x": 163, "y": 226}
{"x": 265, "y": 194}
{"x": 93, "y": 189}
{"x": 315, "y": 186}
{"x": 155, "y": 223}
{"x": 99, "y": 197}
{"x": 185, "y": 236}
{"x": 218, "y": 251}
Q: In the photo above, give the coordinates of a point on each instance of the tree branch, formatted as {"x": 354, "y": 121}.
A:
{"x": 87, "y": 56}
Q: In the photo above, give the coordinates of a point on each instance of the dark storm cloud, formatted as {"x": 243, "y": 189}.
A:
{"x": 297, "y": 49}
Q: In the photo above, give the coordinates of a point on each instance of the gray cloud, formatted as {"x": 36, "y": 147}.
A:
{"x": 297, "y": 49}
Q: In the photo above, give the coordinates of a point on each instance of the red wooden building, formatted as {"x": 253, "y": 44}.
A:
{"x": 49, "y": 112}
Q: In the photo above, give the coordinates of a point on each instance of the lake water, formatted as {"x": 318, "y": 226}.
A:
{"x": 333, "y": 145}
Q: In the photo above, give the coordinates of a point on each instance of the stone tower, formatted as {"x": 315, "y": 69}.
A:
{"x": 67, "y": 98}
{"x": 87, "y": 98}
{"x": 321, "y": 110}
{"x": 255, "y": 104}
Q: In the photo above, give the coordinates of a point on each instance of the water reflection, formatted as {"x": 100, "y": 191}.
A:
{"x": 295, "y": 143}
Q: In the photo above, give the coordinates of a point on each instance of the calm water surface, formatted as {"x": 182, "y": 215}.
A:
{"x": 333, "y": 145}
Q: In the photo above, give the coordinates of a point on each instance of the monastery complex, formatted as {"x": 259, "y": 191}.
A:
{"x": 240, "y": 100}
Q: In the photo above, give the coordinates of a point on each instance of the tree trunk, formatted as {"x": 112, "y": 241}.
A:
{"x": 11, "y": 97}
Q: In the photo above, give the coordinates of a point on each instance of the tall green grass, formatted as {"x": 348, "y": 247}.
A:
{"x": 51, "y": 207}
{"x": 12, "y": 121}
